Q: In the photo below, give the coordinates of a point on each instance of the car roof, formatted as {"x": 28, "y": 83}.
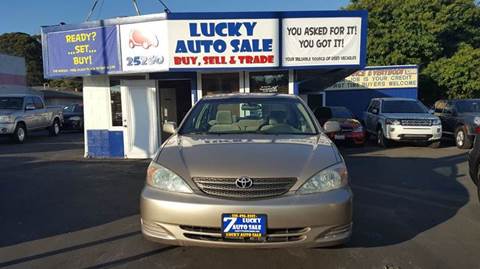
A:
{"x": 16, "y": 95}
{"x": 394, "y": 99}
{"x": 248, "y": 95}
{"x": 342, "y": 107}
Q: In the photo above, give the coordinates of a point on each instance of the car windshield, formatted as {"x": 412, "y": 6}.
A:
{"x": 403, "y": 106}
{"x": 72, "y": 108}
{"x": 11, "y": 103}
{"x": 249, "y": 115}
{"x": 341, "y": 112}
{"x": 466, "y": 106}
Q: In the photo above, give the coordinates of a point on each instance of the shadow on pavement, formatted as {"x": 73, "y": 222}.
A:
{"x": 398, "y": 198}
{"x": 40, "y": 142}
{"x": 40, "y": 199}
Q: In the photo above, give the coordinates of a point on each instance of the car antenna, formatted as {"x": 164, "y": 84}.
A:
{"x": 167, "y": 10}
{"x": 95, "y": 2}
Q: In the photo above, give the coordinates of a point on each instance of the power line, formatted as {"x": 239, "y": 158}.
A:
{"x": 167, "y": 10}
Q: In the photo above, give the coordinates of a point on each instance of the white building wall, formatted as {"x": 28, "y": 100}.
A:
{"x": 96, "y": 104}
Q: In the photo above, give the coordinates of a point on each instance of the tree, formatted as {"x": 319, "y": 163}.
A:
{"x": 459, "y": 74}
{"x": 29, "y": 47}
{"x": 420, "y": 32}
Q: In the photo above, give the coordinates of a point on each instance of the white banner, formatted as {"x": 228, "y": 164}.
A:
{"x": 144, "y": 46}
{"x": 321, "y": 41}
{"x": 224, "y": 43}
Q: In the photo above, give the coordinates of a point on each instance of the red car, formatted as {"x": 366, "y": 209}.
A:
{"x": 142, "y": 38}
{"x": 352, "y": 130}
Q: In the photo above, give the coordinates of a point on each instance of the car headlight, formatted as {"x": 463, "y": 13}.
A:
{"x": 164, "y": 179}
{"x": 333, "y": 177}
{"x": 392, "y": 122}
{"x": 476, "y": 120}
{"x": 436, "y": 122}
{"x": 6, "y": 119}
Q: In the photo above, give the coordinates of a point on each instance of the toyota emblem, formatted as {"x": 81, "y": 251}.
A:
{"x": 244, "y": 182}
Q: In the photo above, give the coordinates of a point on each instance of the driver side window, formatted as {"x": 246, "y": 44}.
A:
{"x": 29, "y": 102}
{"x": 449, "y": 108}
{"x": 374, "y": 107}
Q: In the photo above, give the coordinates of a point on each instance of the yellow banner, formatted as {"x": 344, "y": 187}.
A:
{"x": 392, "y": 78}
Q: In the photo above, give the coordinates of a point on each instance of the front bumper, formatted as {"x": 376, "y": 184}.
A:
{"x": 7, "y": 128}
{"x": 313, "y": 220}
{"x": 413, "y": 133}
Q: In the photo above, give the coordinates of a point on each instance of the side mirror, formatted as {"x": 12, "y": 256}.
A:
{"x": 375, "y": 111}
{"x": 29, "y": 107}
{"x": 332, "y": 127}
{"x": 169, "y": 127}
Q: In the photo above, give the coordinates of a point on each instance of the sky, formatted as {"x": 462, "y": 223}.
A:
{"x": 28, "y": 15}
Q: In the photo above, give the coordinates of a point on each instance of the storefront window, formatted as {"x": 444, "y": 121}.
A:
{"x": 269, "y": 82}
{"x": 116, "y": 103}
{"x": 217, "y": 83}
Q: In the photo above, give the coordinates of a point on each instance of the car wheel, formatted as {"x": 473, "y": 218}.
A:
{"x": 462, "y": 140}
{"x": 20, "y": 133}
{"x": 435, "y": 144}
{"x": 145, "y": 45}
{"x": 54, "y": 130}
{"x": 382, "y": 141}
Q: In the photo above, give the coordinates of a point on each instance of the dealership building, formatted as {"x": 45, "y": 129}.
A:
{"x": 141, "y": 71}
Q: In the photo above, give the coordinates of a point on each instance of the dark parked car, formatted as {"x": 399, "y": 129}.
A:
{"x": 73, "y": 115}
{"x": 351, "y": 129}
{"x": 460, "y": 119}
{"x": 474, "y": 164}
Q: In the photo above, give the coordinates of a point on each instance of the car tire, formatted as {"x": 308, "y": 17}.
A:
{"x": 462, "y": 140}
{"x": 54, "y": 130}
{"x": 19, "y": 134}
{"x": 382, "y": 141}
{"x": 435, "y": 144}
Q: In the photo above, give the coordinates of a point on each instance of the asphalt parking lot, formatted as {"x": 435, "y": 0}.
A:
{"x": 414, "y": 207}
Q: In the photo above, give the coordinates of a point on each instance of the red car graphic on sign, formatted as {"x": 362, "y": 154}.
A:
{"x": 142, "y": 38}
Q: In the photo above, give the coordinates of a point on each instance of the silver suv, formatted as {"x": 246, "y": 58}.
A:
{"x": 402, "y": 119}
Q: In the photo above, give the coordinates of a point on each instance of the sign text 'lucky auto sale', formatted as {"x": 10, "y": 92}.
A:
{"x": 210, "y": 39}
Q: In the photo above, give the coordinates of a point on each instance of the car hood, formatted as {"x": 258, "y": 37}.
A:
{"x": 256, "y": 156}
{"x": 6, "y": 112}
{"x": 71, "y": 114}
{"x": 415, "y": 116}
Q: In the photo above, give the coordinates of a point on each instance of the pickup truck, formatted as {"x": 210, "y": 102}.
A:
{"x": 21, "y": 114}
{"x": 402, "y": 119}
{"x": 460, "y": 119}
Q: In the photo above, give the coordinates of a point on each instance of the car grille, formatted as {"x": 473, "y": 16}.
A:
{"x": 273, "y": 235}
{"x": 261, "y": 187}
{"x": 416, "y": 122}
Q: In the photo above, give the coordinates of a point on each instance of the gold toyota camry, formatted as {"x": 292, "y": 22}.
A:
{"x": 248, "y": 170}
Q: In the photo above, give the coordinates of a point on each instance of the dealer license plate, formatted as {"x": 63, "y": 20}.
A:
{"x": 340, "y": 137}
{"x": 244, "y": 226}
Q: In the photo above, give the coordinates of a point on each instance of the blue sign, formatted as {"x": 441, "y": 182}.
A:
{"x": 82, "y": 52}
{"x": 241, "y": 226}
